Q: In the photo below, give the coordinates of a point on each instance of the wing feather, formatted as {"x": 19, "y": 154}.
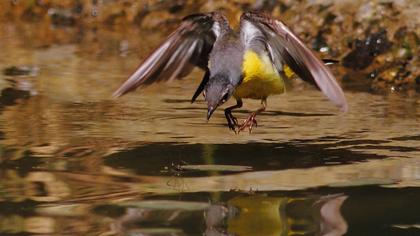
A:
{"x": 188, "y": 46}
{"x": 285, "y": 47}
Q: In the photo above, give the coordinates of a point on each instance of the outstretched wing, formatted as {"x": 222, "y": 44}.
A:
{"x": 188, "y": 46}
{"x": 285, "y": 47}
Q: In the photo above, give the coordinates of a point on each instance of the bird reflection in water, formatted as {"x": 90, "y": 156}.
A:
{"x": 241, "y": 215}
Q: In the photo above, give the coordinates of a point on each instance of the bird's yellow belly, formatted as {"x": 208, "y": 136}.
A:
{"x": 260, "y": 78}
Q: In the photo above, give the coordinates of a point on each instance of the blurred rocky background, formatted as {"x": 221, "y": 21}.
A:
{"x": 377, "y": 42}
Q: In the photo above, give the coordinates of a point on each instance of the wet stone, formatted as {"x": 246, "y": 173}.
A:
{"x": 21, "y": 71}
{"x": 31, "y": 15}
{"x": 366, "y": 50}
{"x": 10, "y": 96}
{"x": 113, "y": 18}
{"x": 319, "y": 43}
{"x": 265, "y": 5}
{"x": 61, "y": 17}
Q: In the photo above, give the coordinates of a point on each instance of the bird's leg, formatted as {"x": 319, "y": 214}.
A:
{"x": 251, "y": 121}
{"x": 232, "y": 121}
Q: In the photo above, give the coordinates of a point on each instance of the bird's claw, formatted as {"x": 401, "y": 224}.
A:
{"x": 232, "y": 127}
{"x": 250, "y": 122}
{"x": 232, "y": 123}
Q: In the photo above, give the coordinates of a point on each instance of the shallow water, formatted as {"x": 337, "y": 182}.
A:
{"x": 75, "y": 161}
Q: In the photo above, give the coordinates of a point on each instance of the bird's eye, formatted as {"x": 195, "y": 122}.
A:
{"x": 225, "y": 98}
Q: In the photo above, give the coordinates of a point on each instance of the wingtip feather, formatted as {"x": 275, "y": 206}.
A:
{"x": 116, "y": 94}
{"x": 125, "y": 88}
{"x": 344, "y": 107}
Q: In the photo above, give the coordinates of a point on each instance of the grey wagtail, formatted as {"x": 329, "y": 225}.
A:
{"x": 252, "y": 62}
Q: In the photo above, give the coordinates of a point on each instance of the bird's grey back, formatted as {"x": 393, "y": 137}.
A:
{"x": 227, "y": 57}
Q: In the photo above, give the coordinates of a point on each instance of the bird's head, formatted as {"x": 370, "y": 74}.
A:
{"x": 217, "y": 91}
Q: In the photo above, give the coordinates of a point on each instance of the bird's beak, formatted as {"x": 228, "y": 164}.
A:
{"x": 210, "y": 111}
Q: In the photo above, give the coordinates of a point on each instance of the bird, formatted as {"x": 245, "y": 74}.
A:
{"x": 252, "y": 62}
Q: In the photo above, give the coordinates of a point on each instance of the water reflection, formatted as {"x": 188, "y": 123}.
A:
{"x": 85, "y": 190}
{"x": 241, "y": 215}
{"x": 358, "y": 211}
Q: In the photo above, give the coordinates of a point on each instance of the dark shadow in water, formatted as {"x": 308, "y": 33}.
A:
{"x": 390, "y": 148}
{"x": 407, "y": 138}
{"x": 153, "y": 158}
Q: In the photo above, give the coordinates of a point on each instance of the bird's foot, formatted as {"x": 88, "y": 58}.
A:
{"x": 248, "y": 123}
{"x": 232, "y": 123}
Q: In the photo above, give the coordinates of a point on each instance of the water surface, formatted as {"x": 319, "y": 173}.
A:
{"x": 75, "y": 161}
